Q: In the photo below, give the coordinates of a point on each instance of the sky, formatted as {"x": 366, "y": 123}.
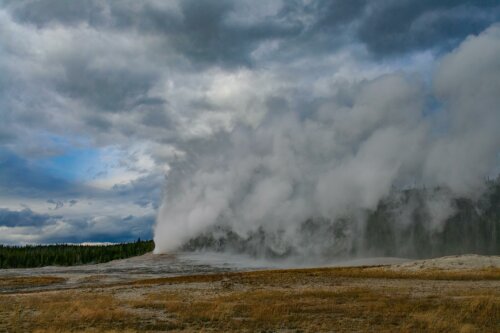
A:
{"x": 117, "y": 117}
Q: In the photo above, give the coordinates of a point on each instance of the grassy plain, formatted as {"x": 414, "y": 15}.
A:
{"x": 361, "y": 299}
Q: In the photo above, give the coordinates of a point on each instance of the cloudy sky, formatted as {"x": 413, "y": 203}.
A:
{"x": 102, "y": 102}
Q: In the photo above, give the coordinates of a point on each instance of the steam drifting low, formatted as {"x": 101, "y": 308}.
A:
{"x": 310, "y": 170}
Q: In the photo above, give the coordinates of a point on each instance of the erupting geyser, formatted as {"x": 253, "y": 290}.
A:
{"x": 386, "y": 166}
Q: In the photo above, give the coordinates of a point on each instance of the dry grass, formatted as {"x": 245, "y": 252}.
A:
{"x": 29, "y": 281}
{"x": 368, "y": 272}
{"x": 363, "y": 299}
{"x": 312, "y": 310}
{"x": 67, "y": 311}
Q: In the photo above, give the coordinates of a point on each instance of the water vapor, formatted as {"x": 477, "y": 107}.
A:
{"x": 355, "y": 173}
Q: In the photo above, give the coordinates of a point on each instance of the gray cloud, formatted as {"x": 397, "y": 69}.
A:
{"x": 178, "y": 80}
{"x": 84, "y": 62}
{"x": 102, "y": 89}
{"x": 18, "y": 177}
{"x": 202, "y": 31}
{"x": 57, "y": 203}
{"x": 45, "y": 12}
{"x": 144, "y": 191}
{"x": 25, "y": 218}
{"x": 392, "y": 27}
{"x": 334, "y": 13}
{"x": 26, "y": 226}
{"x": 99, "y": 229}
{"x": 226, "y": 33}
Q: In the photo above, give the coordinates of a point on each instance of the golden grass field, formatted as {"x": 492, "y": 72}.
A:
{"x": 356, "y": 299}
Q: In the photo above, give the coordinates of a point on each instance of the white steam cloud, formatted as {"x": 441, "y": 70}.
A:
{"x": 343, "y": 155}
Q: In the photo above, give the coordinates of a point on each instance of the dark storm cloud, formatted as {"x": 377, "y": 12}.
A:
{"x": 160, "y": 77}
{"x": 203, "y": 32}
{"x": 45, "y": 12}
{"x": 206, "y": 33}
{"x": 144, "y": 191}
{"x": 19, "y": 177}
{"x": 103, "y": 229}
{"x": 155, "y": 118}
{"x": 200, "y": 30}
{"x": 399, "y": 26}
{"x": 209, "y": 37}
{"x": 331, "y": 14}
{"x": 153, "y": 112}
{"x": 112, "y": 90}
{"x": 45, "y": 228}
{"x": 98, "y": 122}
{"x": 25, "y": 218}
{"x": 57, "y": 203}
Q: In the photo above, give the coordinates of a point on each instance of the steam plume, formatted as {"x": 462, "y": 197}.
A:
{"x": 334, "y": 163}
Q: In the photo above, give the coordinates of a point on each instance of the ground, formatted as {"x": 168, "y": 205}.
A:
{"x": 453, "y": 294}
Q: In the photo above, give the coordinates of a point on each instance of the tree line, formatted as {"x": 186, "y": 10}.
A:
{"x": 69, "y": 255}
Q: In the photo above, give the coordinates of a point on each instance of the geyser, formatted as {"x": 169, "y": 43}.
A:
{"x": 333, "y": 177}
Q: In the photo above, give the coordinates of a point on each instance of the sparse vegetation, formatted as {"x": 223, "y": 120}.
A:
{"x": 326, "y": 309}
{"x": 29, "y": 281}
{"x": 365, "y": 299}
{"x": 271, "y": 277}
{"x": 69, "y": 255}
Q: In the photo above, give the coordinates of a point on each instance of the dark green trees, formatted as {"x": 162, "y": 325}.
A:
{"x": 68, "y": 255}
